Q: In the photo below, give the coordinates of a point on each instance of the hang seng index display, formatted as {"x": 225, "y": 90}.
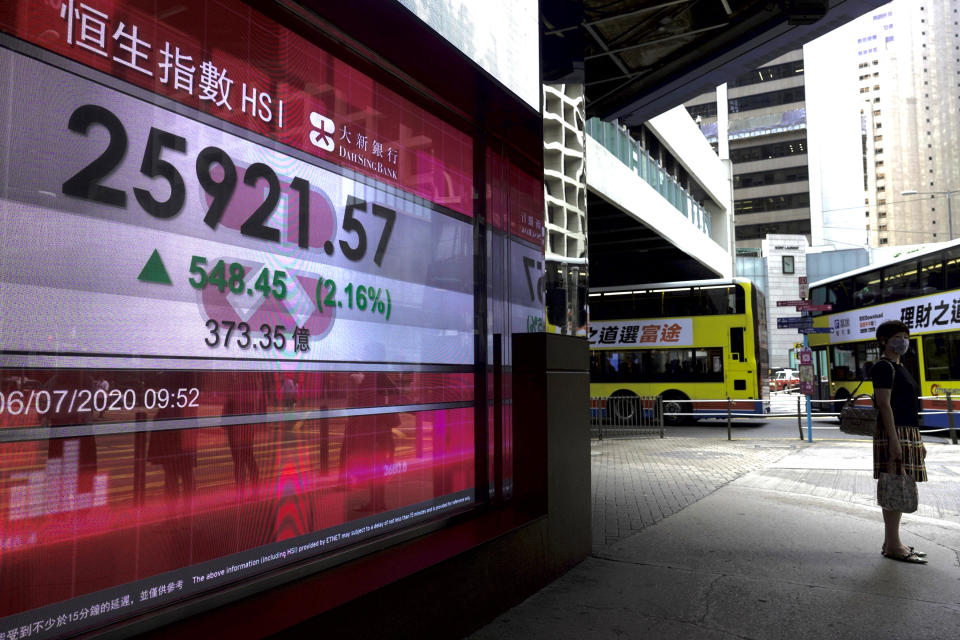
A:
{"x": 248, "y": 252}
{"x": 244, "y": 357}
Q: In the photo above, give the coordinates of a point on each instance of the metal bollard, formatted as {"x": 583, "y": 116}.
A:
{"x": 659, "y": 414}
{"x": 729, "y": 436}
{"x": 799, "y": 418}
{"x": 603, "y": 412}
{"x": 953, "y": 431}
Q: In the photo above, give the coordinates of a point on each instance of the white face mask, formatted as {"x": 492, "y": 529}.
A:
{"x": 900, "y": 345}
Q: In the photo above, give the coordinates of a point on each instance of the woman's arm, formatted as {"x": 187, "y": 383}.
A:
{"x": 885, "y": 414}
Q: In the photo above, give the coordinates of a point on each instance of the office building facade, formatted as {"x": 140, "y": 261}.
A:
{"x": 768, "y": 148}
{"x": 908, "y": 63}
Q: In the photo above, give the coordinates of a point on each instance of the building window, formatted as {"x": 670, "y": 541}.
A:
{"x": 771, "y": 203}
{"x": 708, "y": 110}
{"x": 765, "y": 74}
{"x": 777, "y": 176}
{"x": 768, "y": 151}
{"x": 771, "y": 99}
{"x": 787, "y": 264}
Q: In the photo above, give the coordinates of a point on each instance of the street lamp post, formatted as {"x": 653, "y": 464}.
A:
{"x": 913, "y": 192}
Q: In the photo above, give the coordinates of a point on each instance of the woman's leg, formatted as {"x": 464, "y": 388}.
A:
{"x": 891, "y": 531}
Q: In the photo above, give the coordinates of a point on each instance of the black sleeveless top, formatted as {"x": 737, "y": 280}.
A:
{"x": 904, "y": 391}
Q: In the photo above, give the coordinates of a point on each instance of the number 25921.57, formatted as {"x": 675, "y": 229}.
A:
{"x": 88, "y": 185}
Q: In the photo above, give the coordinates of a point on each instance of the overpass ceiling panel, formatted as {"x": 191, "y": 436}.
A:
{"x": 643, "y": 57}
{"x": 623, "y": 250}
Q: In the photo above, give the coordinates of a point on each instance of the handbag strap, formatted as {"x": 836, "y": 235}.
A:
{"x": 863, "y": 379}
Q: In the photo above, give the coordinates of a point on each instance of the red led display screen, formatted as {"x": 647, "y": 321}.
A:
{"x": 223, "y": 58}
{"x": 237, "y": 282}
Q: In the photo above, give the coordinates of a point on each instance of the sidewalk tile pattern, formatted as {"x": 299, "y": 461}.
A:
{"x": 638, "y": 482}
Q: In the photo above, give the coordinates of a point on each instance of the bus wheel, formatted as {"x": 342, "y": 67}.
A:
{"x": 625, "y": 409}
{"x": 840, "y": 400}
{"x": 674, "y": 404}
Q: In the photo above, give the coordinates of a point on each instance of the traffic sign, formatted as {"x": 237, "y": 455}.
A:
{"x": 790, "y": 303}
{"x": 806, "y": 379}
{"x": 806, "y": 356}
{"x": 814, "y": 329}
{"x": 794, "y": 322}
{"x": 805, "y": 306}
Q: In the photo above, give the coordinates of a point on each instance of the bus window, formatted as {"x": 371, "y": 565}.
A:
{"x": 866, "y": 288}
{"x": 865, "y": 355}
{"x": 900, "y": 281}
{"x": 684, "y": 365}
{"x": 840, "y": 291}
{"x": 941, "y": 356}
{"x": 823, "y": 295}
{"x": 657, "y": 365}
{"x": 677, "y": 303}
{"x": 710, "y": 302}
{"x": 951, "y": 271}
{"x": 844, "y": 363}
{"x": 931, "y": 275}
{"x": 736, "y": 343}
{"x": 818, "y": 295}
{"x": 646, "y": 305}
{"x": 737, "y": 300}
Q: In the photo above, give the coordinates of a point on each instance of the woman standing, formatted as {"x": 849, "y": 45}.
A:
{"x": 897, "y": 447}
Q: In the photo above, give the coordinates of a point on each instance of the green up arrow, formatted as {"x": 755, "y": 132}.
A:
{"x": 154, "y": 271}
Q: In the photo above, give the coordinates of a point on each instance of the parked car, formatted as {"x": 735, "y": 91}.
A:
{"x": 783, "y": 379}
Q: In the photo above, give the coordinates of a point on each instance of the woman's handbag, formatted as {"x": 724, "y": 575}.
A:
{"x": 859, "y": 421}
{"x": 897, "y": 491}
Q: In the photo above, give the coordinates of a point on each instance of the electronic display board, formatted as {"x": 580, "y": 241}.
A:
{"x": 238, "y": 328}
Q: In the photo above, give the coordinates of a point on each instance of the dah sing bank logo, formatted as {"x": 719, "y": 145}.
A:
{"x": 324, "y": 125}
{"x": 355, "y": 147}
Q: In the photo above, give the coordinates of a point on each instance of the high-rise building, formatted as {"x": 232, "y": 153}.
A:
{"x": 767, "y": 135}
{"x": 908, "y": 59}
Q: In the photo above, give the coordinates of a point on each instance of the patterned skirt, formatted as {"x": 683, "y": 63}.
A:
{"x": 910, "y": 445}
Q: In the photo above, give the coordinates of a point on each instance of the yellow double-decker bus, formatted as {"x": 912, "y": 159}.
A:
{"x": 692, "y": 344}
{"x": 922, "y": 290}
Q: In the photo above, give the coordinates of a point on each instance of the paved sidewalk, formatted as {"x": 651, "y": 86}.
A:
{"x": 637, "y": 482}
{"x": 751, "y": 540}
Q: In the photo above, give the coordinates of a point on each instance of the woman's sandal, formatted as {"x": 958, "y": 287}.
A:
{"x": 919, "y": 554}
{"x": 911, "y": 557}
